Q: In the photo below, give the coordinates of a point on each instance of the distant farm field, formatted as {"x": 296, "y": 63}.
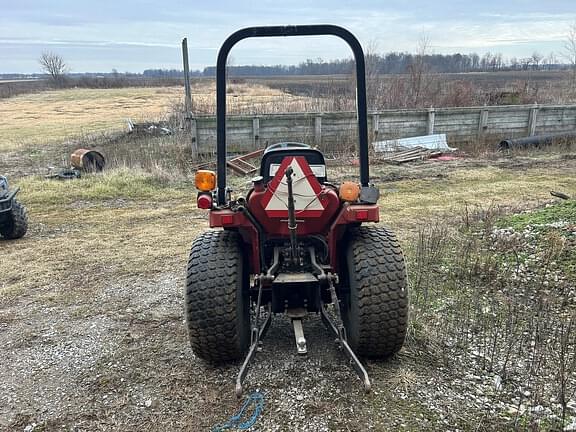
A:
{"x": 57, "y": 115}
{"x": 53, "y": 116}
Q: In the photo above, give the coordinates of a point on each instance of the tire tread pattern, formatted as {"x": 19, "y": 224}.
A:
{"x": 18, "y": 224}
{"x": 377, "y": 277}
{"x": 216, "y": 329}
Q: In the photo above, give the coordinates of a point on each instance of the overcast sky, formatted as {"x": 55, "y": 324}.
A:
{"x": 128, "y": 35}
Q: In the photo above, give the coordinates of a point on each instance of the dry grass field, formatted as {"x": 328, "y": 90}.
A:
{"x": 53, "y": 116}
{"x": 247, "y": 97}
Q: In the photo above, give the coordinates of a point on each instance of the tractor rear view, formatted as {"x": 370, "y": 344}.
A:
{"x": 296, "y": 244}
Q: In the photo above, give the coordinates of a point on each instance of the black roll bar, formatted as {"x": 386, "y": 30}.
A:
{"x": 301, "y": 30}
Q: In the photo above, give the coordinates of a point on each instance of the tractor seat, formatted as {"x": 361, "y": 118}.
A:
{"x": 274, "y": 154}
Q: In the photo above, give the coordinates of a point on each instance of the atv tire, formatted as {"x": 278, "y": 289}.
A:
{"x": 375, "y": 298}
{"x": 16, "y": 223}
{"x": 217, "y": 297}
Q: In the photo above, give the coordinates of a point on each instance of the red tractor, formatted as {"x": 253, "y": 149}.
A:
{"x": 294, "y": 245}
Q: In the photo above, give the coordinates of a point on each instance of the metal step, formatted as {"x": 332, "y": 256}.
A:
{"x": 296, "y": 277}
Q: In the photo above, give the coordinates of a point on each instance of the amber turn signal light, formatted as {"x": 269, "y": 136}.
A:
{"x": 349, "y": 191}
{"x": 205, "y": 180}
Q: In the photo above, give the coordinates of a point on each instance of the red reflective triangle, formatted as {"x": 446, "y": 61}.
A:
{"x": 306, "y": 189}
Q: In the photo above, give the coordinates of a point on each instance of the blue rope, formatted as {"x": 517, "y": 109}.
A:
{"x": 235, "y": 422}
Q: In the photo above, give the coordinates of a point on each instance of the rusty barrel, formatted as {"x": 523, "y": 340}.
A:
{"x": 88, "y": 160}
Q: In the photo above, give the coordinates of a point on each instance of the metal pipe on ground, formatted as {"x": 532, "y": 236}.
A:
{"x": 535, "y": 141}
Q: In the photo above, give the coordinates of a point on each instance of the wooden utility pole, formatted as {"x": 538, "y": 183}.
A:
{"x": 188, "y": 118}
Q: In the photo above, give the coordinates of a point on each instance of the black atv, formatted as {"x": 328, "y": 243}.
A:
{"x": 13, "y": 215}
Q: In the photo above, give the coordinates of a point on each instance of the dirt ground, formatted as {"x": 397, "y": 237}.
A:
{"x": 92, "y": 333}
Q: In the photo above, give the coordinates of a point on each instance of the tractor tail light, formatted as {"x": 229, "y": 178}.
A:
{"x": 361, "y": 215}
{"x": 227, "y": 219}
{"x": 205, "y": 180}
{"x": 204, "y": 201}
{"x": 349, "y": 191}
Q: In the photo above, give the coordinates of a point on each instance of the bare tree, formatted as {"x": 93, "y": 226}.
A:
{"x": 526, "y": 62}
{"x": 514, "y": 63}
{"x": 373, "y": 81}
{"x": 230, "y": 66}
{"x": 420, "y": 78}
{"x": 486, "y": 61}
{"x": 497, "y": 61}
{"x": 536, "y": 59}
{"x": 551, "y": 60}
{"x": 569, "y": 52}
{"x": 54, "y": 65}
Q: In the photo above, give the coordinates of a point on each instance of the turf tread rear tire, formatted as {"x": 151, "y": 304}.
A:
{"x": 217, "y": 304}
{"x": 17, "y": 223}
{"x": 376, "y": 311}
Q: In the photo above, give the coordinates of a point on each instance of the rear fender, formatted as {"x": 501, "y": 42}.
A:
{"x": 351, "y": 214}
{"x": 6, "y": 201}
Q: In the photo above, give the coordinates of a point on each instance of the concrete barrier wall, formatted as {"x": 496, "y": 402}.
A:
{"x": 247, "y": 133}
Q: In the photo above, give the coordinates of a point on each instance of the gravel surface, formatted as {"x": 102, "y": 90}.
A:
{"x": 119, "y": 359}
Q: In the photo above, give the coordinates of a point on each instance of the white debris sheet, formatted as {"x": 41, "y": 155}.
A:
{"x": 431, "y": 142}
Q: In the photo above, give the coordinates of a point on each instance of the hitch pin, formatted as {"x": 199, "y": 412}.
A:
{"x": 299, "y": 336}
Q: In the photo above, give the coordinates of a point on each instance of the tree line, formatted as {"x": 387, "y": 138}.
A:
{"x": 390, "y": 63}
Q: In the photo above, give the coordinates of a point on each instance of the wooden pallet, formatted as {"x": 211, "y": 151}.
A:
{"x": 417, "y": 153}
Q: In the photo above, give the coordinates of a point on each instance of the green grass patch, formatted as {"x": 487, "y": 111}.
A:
{"x": 561, "y": 212}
